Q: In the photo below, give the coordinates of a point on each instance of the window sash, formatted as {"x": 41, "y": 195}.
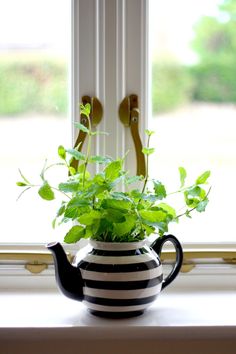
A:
{"x": 109, "y": 60}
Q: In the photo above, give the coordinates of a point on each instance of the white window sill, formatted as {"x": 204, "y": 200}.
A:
{"x": 180, "y": 321}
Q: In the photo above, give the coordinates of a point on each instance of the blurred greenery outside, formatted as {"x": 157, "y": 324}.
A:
{"x": 213, "y": 77}
{"x": 31, "y": 83}
{"x": 39, "y": 84}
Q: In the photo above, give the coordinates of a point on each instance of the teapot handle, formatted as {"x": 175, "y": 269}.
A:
{"x": 157, "y": 246}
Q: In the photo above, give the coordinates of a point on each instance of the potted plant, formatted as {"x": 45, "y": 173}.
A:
{"x": 121, "y": 276}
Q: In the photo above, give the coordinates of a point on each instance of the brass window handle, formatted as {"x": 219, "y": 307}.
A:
{"x": 129, "y": 116}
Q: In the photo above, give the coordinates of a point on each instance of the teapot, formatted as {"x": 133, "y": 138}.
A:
{"x": 116, "y": 280}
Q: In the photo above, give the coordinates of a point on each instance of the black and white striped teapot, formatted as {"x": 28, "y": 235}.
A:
{"x": 116, "y": 279}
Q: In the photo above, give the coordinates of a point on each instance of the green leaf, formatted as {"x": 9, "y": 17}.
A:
{"x": 89, "y": 218}
{"x": 61, "y": 209}
{"x": 88, "y": 232}
{"x": 100, "y": 159}
{"x": 85, "y": 109}
{"x": 112, "y": 171}
{"x": 166, "y": 207}
{"x": 61, "y": 152}
{"x": 194, "y": 191}
{"x": 116, "y": 204}
{"x": 98, "y": 132}
{"x": 82, "y": 127}
{"x": 21, "y": 184}
{"x": 99, "y": 178}
{"x": 162, "y": 227}
{"x": 203, "y": 177}
{"x": 78, "y": 202}
{"x": 70, "y": 186}
{"x": 202, "y": 205}
{"x": 120, "y": 196}
{"x": 75, "y": 234}
{"x": 153, "y": 216}
{"x": 136, "y": 195}
{"x": 152, "y": 198}
{"x": 54, "y": 223}
{"x": 148, "y": 151}
{"x": 72, "y": 170}
{"x": 133, "y": 179}
{"x": 149, "y": 229}
{"x": 46, "y": 192}
{"x": 149, "y": 132}
{"x": 125, "y": 227}
{"x": 71, "y": 213}
{"x": 115, "y": 216}
{"x": 187, "y": 214}
{"x": 81, "y": 169}
{"x": 159, "y": 189}
{"x": 76, "y": 154}
{"x": 183, "y": 175}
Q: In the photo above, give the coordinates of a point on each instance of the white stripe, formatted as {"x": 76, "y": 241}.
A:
{"x": 117, "y": 246}
{"x": 129, "y": 276}
{"x": 123, "y": 294}
{"x": 115, "y": 308}
{"x": 119, "y": 260}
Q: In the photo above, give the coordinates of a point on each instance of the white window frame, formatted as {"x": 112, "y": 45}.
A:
{"x": 109, "y": 60}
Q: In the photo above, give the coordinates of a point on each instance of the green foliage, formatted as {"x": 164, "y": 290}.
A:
{"x": 215, "y": 45}
{"x": 171, "y": 85}
{"x": 46, "y": 192}
{"x": 215, "y": 80}
{"x": 160, "y": 190}
{"x": 100, "y": 208}
{"x": 183, "y": 175}
{"x": 32, "y": 84}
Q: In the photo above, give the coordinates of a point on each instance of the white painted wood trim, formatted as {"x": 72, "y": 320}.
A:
{"x": 110, "y": 61}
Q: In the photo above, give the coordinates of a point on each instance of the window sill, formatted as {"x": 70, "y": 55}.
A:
{"x": 183, "y": 320}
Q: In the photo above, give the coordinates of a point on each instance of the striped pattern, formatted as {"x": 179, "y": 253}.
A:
{"x": 120, "y": 282}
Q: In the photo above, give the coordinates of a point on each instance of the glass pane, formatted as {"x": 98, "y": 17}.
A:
{"x": 34, "y": 52}
{"x": 193, "y": 103}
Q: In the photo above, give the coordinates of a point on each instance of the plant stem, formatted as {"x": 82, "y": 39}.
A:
{"x": 58, "y": 190}
{"x": 88, "y": 150}
{"x": 180, "y": 190}
{"x": 22, "y": 193}
{"x": 147, "y": 160}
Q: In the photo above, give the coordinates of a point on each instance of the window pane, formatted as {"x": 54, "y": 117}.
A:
{"x": 34, "y": 52}
{"x": 193, "y": 102}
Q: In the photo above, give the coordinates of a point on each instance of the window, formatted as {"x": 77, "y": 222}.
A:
{"x": 193, "y": 100}
{"x": 109, "y": 61}
{"x": 34, "y": 101}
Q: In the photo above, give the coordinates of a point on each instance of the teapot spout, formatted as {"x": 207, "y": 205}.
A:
{"x": 68, "y": 277}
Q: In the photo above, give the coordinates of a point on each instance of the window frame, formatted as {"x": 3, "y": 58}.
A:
{"x": 109, "y": 62}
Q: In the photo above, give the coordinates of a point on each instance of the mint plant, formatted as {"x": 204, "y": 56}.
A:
{"x": 100, "y": 210}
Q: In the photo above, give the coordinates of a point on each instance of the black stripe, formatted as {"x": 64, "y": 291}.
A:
{"x": 118, "y": 268}
{"x": 123, "y": 285}
{"x": 119, "y": 314}
{"x": 119, "y": 302}
{"x": 136, "y": 252}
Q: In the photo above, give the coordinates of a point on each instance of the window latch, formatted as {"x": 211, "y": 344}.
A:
{"x": 95, "y": 117}
{"x": 129, "y": 115}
